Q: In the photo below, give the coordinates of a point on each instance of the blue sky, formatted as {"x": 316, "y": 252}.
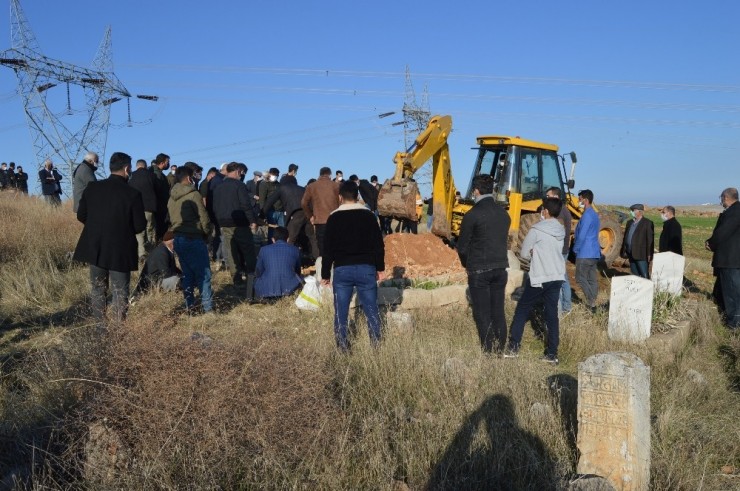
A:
{"x": 646, "y": 93}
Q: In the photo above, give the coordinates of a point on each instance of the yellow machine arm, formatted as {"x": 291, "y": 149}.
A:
{"x": 398, "y": 195}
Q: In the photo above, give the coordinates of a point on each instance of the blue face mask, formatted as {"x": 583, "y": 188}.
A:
{"x": 632, "y": 213}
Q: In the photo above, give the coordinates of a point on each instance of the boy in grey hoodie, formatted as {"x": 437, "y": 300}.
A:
{"x": 543, "y": 246}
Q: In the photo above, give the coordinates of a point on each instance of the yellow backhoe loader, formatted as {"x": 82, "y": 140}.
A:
{"x": 522, "y": 171}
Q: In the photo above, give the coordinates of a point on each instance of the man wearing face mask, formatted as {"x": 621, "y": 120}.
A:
{"x": 725, "y": 244}
{"x": 671, "y": 236}
{"x": 112, "y": 213}
{"x": 483, "y": 253}
{"x": 192, "y": 227}
{"x": 275, "y": 214}
{"x": 639, "y": 242}
{"x": 162, "y": 192}
{"x": 587, "y": 249}
{"x": 83, "y": 175}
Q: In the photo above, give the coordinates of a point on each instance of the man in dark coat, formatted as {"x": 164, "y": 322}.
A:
{"x": 145, "y": 182}
{"x": 113, "y": 213}
{"x": 483, "y": 252}
{"x": 290, "y": 176}
{"x": 639, "y": 242}
{"x": 160, "y": 270}
{"x": 83, "y": 175}
{"x": 725, "y": 243}
{"x": 162, "y": 191}
{"x": 21, "y": 180}
{"x": 50, "y": 187}
{"x": 671, "y": 236}
{"x": 234, "y": 212}
{"x": 295, "y": 219}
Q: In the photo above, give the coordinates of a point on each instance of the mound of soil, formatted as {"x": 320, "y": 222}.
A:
{"x": 419, "y": 256}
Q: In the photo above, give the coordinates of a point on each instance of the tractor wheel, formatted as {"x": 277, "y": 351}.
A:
{"x": 525, "y": 223}
{"x": 610, "y": 237}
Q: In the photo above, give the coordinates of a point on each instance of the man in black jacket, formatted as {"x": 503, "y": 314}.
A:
{"x": 671, "y": 236}
{"x": 144, "y": 181}
{"x": 295, "y": 219}
{"x": 160, "y": 270}
{"x": 353, "y": 245}
{"x": 639, "y": 242}
{"x": 113, "y": 213}
{"x": 21, "y": 180}
{"x": 162, "y": 192}
{"x": 725, "y": 243}
{"x": 483, "y": 252}
{"x": 50, "y": 187}
{"x": 234, "y": 212}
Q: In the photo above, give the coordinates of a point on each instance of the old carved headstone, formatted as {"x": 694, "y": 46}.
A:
{"x": 614, "y": 419}
{"x": 630, "y": 309}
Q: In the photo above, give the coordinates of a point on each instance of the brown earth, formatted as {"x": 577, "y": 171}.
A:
{"x": 419, "y": 256}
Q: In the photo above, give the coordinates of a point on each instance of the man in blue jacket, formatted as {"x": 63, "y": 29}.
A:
{"x": 587, "y": 249}
{"x": 278, "y": 268}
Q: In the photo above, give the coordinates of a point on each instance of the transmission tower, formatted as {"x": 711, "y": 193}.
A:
{"x": 415, "y": 116}
{"x": 37, "y": 75}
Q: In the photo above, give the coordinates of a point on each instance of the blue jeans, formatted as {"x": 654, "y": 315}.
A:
{"x": 487, "y": 294}
{"x": 548, "y": 293}
{"x": 639, "y": 268}
{"x": 565, "y": 293}
{"x": 730, "y": 281}
{"x": 346, "y": 279}
{"x": 196, "y": 271}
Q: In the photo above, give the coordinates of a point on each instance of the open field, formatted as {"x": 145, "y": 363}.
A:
{"x": 256, "y": 397}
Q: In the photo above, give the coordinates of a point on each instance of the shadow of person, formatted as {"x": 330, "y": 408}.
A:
{"x": 564, "y": 389}
{"x": 491, "y": 451}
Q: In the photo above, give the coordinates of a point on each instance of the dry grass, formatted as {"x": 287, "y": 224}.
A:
{"x": 259, "y": 398}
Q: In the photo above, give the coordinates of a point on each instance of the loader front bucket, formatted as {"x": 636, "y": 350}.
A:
{"x": 398, "y": 199}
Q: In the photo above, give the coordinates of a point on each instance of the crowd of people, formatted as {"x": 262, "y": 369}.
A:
{"x": 12, "y": 178}
{"x": 263, "y": 230}
{"x": 482, "y": 247}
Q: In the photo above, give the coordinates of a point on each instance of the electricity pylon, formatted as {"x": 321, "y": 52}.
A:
{"x": 38, "y": 74}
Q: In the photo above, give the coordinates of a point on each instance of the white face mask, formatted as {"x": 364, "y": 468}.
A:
{"x": 632, "y": 214}
{"x": 542, "y": 215}
{"x": 581, "y": 204}
{"x": 273, "y": 178}
{"x": 663, "y": 217}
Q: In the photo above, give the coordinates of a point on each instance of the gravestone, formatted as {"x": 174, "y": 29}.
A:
{"x": 667, "y": 272}
{"x": 614, "y": 420}
{"x": 630, "y": 309}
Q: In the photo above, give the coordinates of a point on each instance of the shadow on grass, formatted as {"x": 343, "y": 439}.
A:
{"x": 505, "y": 457}
{"x": 29, "y": 325}
{"x": 564, "y": 389}
{"x": 729, "y": 356}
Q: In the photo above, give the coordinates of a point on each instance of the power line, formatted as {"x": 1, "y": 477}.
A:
{"x": 321, "y": 72}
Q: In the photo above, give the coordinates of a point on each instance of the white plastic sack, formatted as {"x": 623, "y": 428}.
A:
{"x": 310, "y": 296}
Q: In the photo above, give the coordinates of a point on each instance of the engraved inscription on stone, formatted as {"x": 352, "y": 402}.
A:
{"x": 630, "y": 309}
{"x": 614, "y": 419}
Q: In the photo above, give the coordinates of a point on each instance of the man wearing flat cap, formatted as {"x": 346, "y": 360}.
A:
{"x": 638, "y": 241}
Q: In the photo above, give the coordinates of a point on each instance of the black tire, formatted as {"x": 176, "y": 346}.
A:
{"x": 525, "y": 223}
{"x": 610, "y": 237}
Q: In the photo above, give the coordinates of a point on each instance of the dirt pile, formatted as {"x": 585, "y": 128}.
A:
{"x": 419, "y": 256}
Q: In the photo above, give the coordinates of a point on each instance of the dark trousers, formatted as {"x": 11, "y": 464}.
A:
{"x": 730, "y": 281}
{"x": 119, "y": 286}
{"x": 639, "y": 268}
{"x": 320, "y": 232}
{"x": 487, "y": 292}
{"x": 549, "y": 294}
{"x": 295, "y": 225}
{"x": 241, "y": 255}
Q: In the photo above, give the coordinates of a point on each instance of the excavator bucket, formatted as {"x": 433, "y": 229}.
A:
{"x": 397, "y": 198}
